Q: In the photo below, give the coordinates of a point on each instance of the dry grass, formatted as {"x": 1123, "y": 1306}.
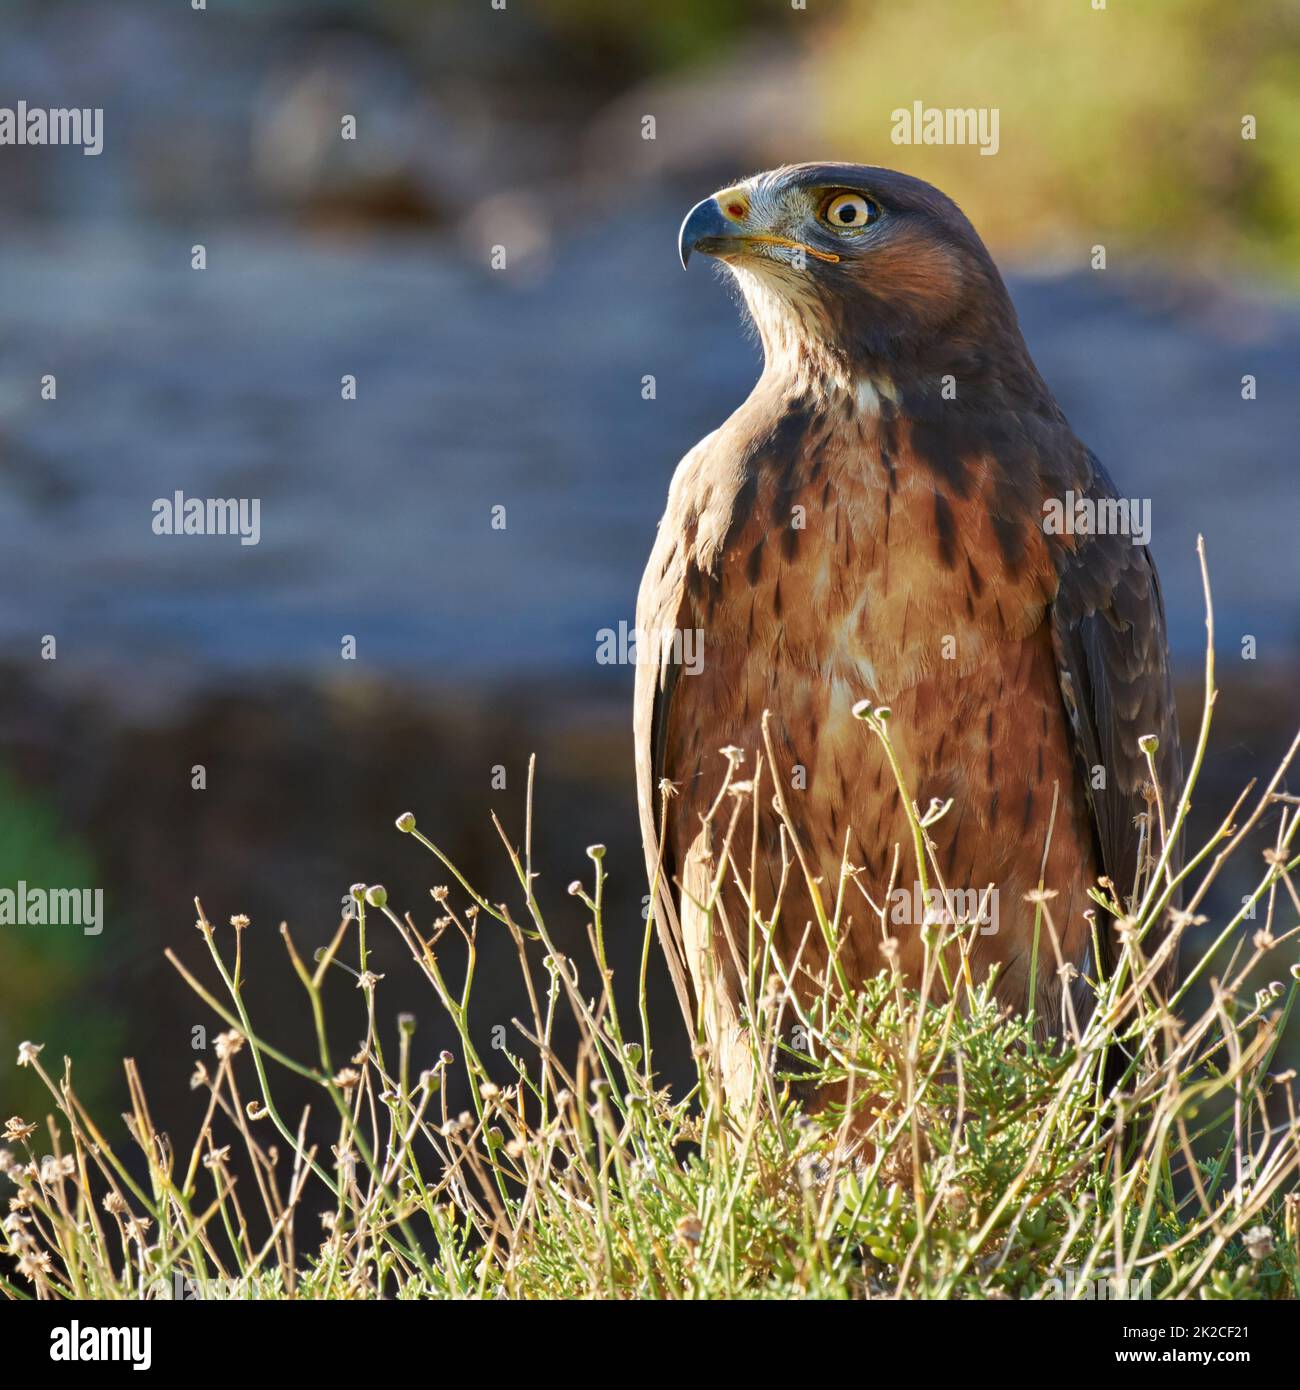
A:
{"x": 995, "y": 1165}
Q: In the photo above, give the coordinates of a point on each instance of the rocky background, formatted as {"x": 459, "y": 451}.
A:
{"x": 519, "y": 388}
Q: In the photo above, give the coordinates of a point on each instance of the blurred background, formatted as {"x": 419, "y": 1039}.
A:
{"x": 522, "y": 388}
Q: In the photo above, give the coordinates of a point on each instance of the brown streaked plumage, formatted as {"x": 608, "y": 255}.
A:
{"x": 869, "y": 524}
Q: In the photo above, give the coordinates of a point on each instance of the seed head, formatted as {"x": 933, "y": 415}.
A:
{"x": 1258, "y": 1242}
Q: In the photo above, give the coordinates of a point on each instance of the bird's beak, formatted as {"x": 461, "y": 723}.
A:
{"x": 723, "y": 226}
{"x": 705, "y": 228}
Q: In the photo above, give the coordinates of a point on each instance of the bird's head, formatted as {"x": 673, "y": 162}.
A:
{"x": 857, "y": 270}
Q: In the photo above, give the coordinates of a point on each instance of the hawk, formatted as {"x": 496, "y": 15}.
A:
{"x": 872, "y": 523}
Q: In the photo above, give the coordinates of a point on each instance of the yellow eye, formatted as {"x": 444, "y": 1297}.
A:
{"x": 850, "y": 210}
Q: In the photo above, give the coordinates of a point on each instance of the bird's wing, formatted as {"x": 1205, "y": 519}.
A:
{"x": 1108, "y": 632}
{"x": 661, "y": 608}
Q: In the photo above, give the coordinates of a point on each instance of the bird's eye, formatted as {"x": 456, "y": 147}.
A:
{"x": 850, "y": 210}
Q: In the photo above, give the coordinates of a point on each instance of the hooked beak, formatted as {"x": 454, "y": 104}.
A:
{"x": 705, "y": 227}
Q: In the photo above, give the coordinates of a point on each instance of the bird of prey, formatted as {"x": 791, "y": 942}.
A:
{"x": 872, "y": 523}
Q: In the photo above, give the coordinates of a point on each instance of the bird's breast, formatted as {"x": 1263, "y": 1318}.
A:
{"x": 832, "y": 561}
{"x": 834, "y": 552}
